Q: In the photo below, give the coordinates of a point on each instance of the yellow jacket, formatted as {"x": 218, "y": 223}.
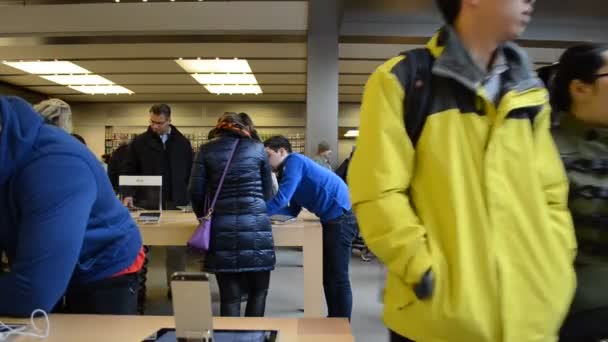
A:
{"x": 480, "y": 197}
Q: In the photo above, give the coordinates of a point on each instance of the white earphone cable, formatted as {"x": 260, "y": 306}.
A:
{"x": 38, "y": 333}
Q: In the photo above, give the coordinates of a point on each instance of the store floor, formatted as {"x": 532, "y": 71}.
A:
{"x": 286, "y": 291}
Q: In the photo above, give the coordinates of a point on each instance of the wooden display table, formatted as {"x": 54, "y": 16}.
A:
{"x": 89, "y": 328}
{"x": 175, "y": 228}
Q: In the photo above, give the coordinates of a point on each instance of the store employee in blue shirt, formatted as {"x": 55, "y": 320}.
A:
{"x": 305, "y": 184}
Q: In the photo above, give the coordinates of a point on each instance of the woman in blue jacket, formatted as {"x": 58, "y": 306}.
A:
{"x": 241, "y": 251}
{"x": 61, "y": 227}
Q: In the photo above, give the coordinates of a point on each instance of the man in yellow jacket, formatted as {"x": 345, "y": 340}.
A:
{"x": 466, "y": 205}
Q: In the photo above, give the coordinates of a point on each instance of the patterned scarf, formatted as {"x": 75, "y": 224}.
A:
{"x": 232, "y": 127}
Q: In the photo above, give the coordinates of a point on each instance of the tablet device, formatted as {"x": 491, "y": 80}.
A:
{"x": 168, "y": 335}
{"x": 282, "y": 218}
{"x": 185, "y": 208}
{"x": 149, "y": 217}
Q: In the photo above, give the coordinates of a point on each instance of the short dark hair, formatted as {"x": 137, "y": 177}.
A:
{"x": 161, "y": 109}
{"x": 323, "y": 147}
{"x": 277, "y": 142}
{"x": 450, "y": 9}
{"x": 581, "y": 62}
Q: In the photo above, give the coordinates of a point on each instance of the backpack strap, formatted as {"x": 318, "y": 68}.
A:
{"x": 416, "y": 76}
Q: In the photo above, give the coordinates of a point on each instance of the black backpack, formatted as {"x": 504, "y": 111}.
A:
{"x": 416, "y": 78}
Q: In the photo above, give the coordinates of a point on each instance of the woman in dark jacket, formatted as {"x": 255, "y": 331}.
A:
{"x": 241, "y": 252}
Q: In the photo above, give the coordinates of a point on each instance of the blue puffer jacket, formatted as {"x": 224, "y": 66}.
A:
{"x": 60, "y": 222}
{"x": 241, "y": 235}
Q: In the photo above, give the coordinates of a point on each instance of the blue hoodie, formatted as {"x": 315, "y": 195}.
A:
{"x": 306, "y": 184}
{"x": 60, "y": 222}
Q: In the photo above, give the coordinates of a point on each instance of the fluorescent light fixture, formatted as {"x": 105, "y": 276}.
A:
{"x": 48, "y": 67}
{"x": 78, "y": 79}
{"x": 353, "y": 133}
{"x": 102, "y": 89}
{"x": 234, "y": 89}
{"x": 214, "y": 65}
{"x": 225, "y": 78}
{"x": 71, "y": 75}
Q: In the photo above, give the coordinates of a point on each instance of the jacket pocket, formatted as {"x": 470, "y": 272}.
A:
{"x": 397, "y": 294}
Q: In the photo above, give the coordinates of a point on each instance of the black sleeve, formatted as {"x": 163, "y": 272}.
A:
{"x": 198, "y": 184}
{"x": 129, "y": 168}
{"x": 189, "y": 160}
{"x": 342, "y": 169}
{"x": 114, "y": 169}
{"x": 266, "y": 172}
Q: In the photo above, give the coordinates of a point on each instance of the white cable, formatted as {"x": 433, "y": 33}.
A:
{"x": 39, "y": 333}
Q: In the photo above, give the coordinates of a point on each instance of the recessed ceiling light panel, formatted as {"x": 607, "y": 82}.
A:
{"x": 48, "y": 67}
{"x": 234, "y": 89}
{"x": 102, "y": 89}
{"x": 214, "y": 65}
{"x": 225, "y": 79}
{"x": 77, "y": 79}
{"x": 353, "y": 133}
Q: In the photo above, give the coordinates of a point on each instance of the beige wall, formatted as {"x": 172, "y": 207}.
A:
{"x": 349, "y": 117}
{"x": 285, "y": 118}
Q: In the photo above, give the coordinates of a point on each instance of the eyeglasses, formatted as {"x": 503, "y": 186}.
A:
{"x": 158, "y": 123}
{"x": 601, "y": 75}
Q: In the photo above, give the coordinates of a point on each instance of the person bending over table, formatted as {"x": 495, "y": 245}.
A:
{"x": 62, "y": 229}
{"x": 305, "y": 184}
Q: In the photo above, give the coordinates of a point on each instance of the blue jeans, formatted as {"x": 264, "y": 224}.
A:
{"x": 338, "y": 236}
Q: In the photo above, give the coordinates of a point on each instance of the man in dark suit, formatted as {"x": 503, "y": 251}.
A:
{"x": 161, "y": 151}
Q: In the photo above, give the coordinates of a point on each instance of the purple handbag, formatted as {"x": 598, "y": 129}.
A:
{"x": 201, "y": 237}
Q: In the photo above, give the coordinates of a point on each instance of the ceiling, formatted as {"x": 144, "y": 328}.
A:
{"x": 564, "y": 8}
{"x": 136, "y": 44}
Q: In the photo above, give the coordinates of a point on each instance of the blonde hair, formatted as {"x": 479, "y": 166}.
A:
{"x": 56, "y": 112}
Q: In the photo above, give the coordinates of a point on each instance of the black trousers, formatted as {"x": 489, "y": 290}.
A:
{"x": 233, "y": 286}
{"x": 587, "y": 326}
{"x": 397, "y": 338}
{"x": 112, "y": 296}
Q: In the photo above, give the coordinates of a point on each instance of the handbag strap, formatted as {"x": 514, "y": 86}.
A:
{"x": 221, "y": 183}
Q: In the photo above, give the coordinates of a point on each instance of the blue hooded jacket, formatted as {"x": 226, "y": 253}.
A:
{"x": 60, "y": 222}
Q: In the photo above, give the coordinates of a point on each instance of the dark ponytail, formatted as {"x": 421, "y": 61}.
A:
{"x": 247, "y": 121}
{"x": 580, "y": 62}
{"x": 547, "y": 75}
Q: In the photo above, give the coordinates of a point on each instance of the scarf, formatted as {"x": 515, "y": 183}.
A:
{"x": 233, "y": 127}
